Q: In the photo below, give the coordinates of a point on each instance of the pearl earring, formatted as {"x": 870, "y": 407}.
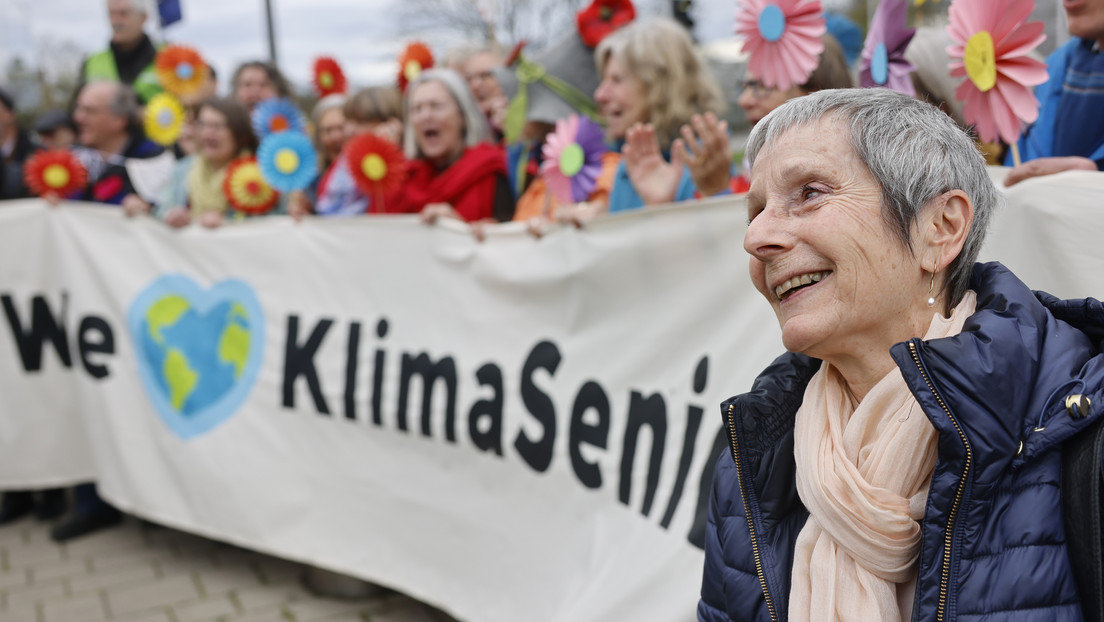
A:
{"x": 931, "y": 291}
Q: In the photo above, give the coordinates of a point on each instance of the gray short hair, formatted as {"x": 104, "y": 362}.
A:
{"x": 914, "y": 151}
{"x": 476, "y": 129}
{"x": 326, "y": 104}
{"x": 124, "y": 103}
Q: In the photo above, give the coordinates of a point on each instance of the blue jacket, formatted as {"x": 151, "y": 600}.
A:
{"x": 992, "y": 538}
{"x": 1038, "y": 140}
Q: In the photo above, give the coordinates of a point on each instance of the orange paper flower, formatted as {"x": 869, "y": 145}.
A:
{"x": 328, "y": 77}
{"x": 415, "y": 59}
{"x": 991, "y": 43}
{"x": 246, "y": 189}
{"x": 180, "y": 69}
{"x": 56, "y": 171}
{"x": 377, "y": 165}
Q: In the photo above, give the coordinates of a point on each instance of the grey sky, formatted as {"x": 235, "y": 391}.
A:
{"x": 362, "y": 34}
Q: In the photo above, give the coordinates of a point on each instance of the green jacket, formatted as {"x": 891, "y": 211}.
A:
{"x": 102, "y": 66}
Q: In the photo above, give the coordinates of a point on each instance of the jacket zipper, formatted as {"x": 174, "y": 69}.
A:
{"x": 945, "y": 576}
{"x": 747, "y": 513}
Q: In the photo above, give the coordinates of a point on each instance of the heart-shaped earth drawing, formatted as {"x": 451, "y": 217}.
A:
{"x": 198, "y": 350}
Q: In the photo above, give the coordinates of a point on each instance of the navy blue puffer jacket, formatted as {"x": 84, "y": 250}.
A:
{"x": 992, "y": 540}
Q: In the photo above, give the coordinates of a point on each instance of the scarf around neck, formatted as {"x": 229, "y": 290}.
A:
{"x": 205, "y": 188}
{"x": 863, "y": 471}
{"x": 468, "y": 184}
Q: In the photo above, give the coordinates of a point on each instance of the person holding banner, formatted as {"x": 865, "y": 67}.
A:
{"x": 121, "y": 162}
{"x": 904, "y": 460}
{"x": 196, "y": 193}
{"x": 16, "y": 147}
{"x": 1069, "y": 133}
{"x": 454, "y": 170}
{"x": 651, "y": 74}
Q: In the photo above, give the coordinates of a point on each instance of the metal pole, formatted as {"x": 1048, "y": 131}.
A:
{"x": 271, "y": 33}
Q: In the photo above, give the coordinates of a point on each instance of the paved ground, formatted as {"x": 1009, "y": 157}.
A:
{"x": 144, "y": 573}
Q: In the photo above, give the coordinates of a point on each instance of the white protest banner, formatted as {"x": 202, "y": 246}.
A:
{"x": 518, "y": 429}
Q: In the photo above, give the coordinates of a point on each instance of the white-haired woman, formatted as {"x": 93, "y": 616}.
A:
{"x": 904, "y": 460}
{"x": 454, "y": 170}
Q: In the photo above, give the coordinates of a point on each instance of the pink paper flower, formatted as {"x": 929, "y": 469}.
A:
{"x": 782, "y": 38}
{"x": 992, "y": 39}
{"x": 883, "y": 56}
{"x": 573, "y": 159}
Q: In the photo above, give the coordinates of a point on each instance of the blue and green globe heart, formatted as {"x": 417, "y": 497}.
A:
{"x": 198, "y": 350}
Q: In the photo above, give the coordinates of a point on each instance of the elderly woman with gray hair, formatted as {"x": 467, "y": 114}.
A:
{"x": 904, "y": 460}
{"x": 454, "y": 170}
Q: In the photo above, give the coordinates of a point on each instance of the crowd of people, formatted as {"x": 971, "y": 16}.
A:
{"x": 473, "y": 156}
{"x": 474, "y": 131}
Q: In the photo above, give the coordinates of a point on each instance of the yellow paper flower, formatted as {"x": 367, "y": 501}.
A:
{"x": 164, "y": 118}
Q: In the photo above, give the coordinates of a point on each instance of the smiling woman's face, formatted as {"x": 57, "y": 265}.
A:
{"x": 621, "y": 98}
{"x": 842, "y": 285}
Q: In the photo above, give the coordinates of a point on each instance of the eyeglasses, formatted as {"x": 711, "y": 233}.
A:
{"x": 216, "y": 126}
{"x": 479, "y": 76}
{"x": 88, "y": 110}
{"x": 758, "y": 89}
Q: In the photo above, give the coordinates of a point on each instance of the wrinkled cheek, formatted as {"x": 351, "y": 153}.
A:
{"x": 758, "y": 276}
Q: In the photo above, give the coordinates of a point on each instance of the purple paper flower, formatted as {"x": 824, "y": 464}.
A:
{"x": 883, "y": 57}
{"x": 573, "y": 159}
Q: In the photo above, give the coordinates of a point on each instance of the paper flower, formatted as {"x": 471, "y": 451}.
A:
{"x": 246, "y": 189}
{"x": 376, "y": 164}
{"x": 992, "y": 39}
{"x": 782, "y": 39}
{"x": 602, "y": 17}
{"x": 287, "y": 161}
{"x": 328, "y": 77}
{"x": 55, "y": 171}
{"x": 277, "y": 114}
{"x": 573, "y": 159}
{"x": 415, "y": 59}
{"x": 163, "y": 119}
{"x": 883, "y": 55}
{"x": 180, "y": 69}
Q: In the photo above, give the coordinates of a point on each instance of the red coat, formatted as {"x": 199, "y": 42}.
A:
{"x": 468, "y": 184}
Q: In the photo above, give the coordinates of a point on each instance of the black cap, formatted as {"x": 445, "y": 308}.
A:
{"x": 52, "y": 120}
{"x": 7, "y": 100}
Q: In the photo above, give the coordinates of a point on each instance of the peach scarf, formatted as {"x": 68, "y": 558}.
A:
{"x": 863, "y": 471}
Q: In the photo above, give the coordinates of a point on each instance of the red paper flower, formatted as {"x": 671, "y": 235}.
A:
{"x": 181, "y": 69}
{"x": 328, "y": 77}
{"x": 56, "y": 171}
{"x": 515, "y": 53}
{"x": 377, "y": 165}
{"x": 246, "y": 189}
{"x": 601, "y": 18}
{"x": 413, "y": 60}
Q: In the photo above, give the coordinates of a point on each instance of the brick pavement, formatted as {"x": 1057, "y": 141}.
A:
{"x": 146, "y": 573}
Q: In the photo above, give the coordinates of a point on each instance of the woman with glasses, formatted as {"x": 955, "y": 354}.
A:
{"x": 757, "y": 100}
{"x": 223, "y": 133}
